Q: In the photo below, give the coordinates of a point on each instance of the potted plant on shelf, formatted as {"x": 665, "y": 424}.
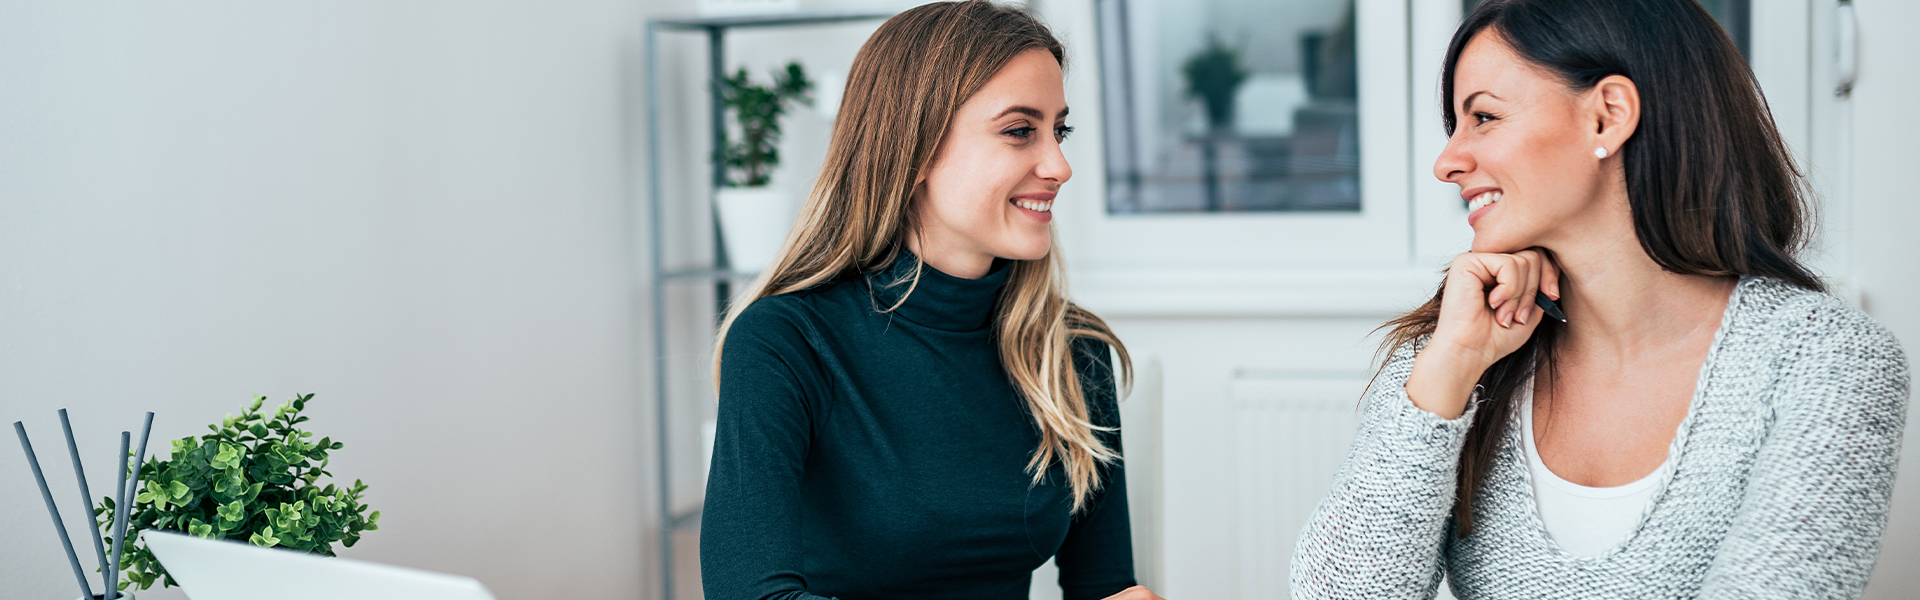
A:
{"x": 1214, "y": 75}
{"x": 754, "y": 215}
{"x": 256, "y": 478}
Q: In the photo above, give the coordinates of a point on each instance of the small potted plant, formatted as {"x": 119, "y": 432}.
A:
{"x": 256, "y": 478}
{"x": 754, "y": 215}
{"x": 1214, "y": 75}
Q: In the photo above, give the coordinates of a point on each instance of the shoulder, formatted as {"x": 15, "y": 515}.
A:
{"x": 1093, "y": 361}
{"x": 1823, "y": 347}
{"x": 1099, "y": 384}
{"x": 772, "y": 348}
{"x": 1092, "y": 351}
{"x": 772, "y": 317}
{"x": 1089, "y": 353}
{"x": 1811, "y": 324}
{"x": 792, "y": 315}
{"x": 784, "y": 328}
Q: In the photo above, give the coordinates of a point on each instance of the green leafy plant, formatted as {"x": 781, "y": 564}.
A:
{"x": 1213, "y": 75}
{"x": 255, "y": 478}
{"x": 757, "y": 110}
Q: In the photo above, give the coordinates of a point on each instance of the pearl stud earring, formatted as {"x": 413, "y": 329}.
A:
{"x": 1600, "y": 153}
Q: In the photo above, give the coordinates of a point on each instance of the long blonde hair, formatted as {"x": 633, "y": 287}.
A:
{"x": 905, "y": 85}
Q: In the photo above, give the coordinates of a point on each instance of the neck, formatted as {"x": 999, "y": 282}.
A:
{"x": 1620, "y": 303}
{"x": 950, "y": 258}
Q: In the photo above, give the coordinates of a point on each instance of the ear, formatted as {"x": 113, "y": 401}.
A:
{"x": 1616, "y": 112}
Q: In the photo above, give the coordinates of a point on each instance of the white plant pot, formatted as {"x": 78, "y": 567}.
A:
{"x": 753, "y": 223}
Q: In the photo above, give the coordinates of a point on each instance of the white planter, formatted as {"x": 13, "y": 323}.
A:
{"x": 753, "y": 223}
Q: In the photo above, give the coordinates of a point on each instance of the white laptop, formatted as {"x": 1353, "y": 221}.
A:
{"x": 233, "y": 570}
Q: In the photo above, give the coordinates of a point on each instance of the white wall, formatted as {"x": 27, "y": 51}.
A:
{"x": 1886, "y": 209}
{"x": 416, "y": 210}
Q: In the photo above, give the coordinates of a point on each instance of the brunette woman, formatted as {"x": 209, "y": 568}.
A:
{"x": 1707, "y": 423}
{"x": 909, "y": 407}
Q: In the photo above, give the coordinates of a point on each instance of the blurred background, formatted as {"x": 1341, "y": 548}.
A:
{"x": 492, "y": 239}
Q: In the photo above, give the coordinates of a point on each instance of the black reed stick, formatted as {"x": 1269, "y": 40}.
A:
{"x": 86, "y": 591}
{"x": 86, "y": 496}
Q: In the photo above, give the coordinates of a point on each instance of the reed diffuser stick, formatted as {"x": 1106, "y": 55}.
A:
{"x": 86, "y": 591}
{"x": 140, "y": 456}
{"x": 119, "y": 515}
{"x": 86, "y": 496}
{"x": 133, "y": 483}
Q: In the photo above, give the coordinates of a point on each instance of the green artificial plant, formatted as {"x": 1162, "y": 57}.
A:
{"x": 756, "y": 111}
{"x": 1214, "y": 74}
{"x": 255, "y": 478}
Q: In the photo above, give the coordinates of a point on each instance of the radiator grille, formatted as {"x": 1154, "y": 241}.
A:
{"x": 1291, "y": 430}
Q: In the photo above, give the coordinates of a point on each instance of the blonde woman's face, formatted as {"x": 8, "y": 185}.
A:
{"x": 990, "y": 189}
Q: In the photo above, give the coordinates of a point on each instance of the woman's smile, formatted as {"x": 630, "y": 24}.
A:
{"x": 1035, "y": 205}
{"x": 1480, "y": 201}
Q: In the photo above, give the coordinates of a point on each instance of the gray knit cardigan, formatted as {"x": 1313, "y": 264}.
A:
{"x": 1782, "y": 472}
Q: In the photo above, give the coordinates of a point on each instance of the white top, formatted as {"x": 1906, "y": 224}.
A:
{"x": 1585, "y": 521}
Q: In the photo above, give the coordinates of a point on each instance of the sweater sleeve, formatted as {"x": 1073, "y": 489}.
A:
{"x": 1096, "y": 560}
{"x": 1380, "y": 531}
{"x": 1816, "y": 503}
{"x": 750, "y": 546}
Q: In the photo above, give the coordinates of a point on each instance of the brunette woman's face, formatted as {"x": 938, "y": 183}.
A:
{"x": 990, "y": 189}
{"x": 1522, "y": 151}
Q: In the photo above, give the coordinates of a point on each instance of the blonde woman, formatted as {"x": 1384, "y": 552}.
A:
{"x": 909, "y": 407}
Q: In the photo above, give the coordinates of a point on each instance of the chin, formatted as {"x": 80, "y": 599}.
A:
{"x": 1493, "y": 243}
{"x": 1028, "y": 249}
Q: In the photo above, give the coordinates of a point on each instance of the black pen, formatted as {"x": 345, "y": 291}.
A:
{"x": 1548, "y": 306}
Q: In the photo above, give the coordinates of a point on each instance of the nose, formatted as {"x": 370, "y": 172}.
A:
{"x": 1053, "y": 164}
{"x": 1454, "y": 161}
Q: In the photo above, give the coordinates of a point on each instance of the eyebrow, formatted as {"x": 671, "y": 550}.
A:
{"x": 1467, "y": 105}
{"x": 1030, "y": 111}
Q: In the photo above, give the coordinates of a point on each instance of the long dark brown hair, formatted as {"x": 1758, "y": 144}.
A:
{"x": 1711, "y": 186}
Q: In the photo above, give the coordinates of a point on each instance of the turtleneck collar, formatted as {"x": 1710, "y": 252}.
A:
{"x": 939, "y": 301}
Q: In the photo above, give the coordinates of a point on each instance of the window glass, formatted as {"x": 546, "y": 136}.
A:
{"x": 1230, "y": 105}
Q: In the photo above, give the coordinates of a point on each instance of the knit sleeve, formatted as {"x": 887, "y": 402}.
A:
{"x": 1379, "y": 532}
{"x": 1096, "y": 559}
{"x": 750, "y": 546}
{"x": 1816, "y": 503}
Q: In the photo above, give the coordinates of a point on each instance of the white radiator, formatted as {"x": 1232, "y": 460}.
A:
{"x": 1290, "y": 432}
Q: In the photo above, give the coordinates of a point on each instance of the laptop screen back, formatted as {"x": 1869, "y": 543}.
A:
{"x": 232, "y": 570}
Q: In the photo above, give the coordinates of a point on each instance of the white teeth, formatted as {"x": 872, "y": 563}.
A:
{"x": 1034, "y": 206}
{"x": 1483, "y": 200}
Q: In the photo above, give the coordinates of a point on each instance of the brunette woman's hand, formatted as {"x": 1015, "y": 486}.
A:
{"x": 1138, "y": 592}
{"x": 1486, "y": 313}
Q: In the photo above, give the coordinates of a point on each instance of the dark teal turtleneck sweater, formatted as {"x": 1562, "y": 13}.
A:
{"x": 864, "y": 454}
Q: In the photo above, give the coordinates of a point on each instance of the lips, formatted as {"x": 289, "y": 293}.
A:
{"x": 1038, "y": 205}
{"x": 1483, "y": 200}
{"x": 1034, "y": 205}
{"x": 1480, "y": 201}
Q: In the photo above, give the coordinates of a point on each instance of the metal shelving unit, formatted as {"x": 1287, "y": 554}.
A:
{"x": 719, "y": 274}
